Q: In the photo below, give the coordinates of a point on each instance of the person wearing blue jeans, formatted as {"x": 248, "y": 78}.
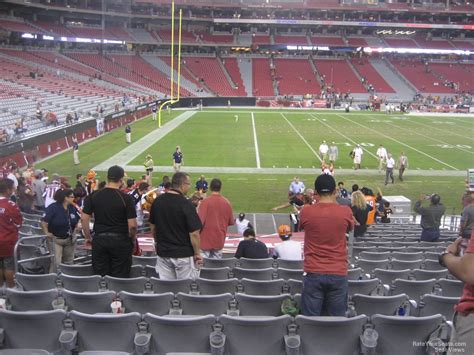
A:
{"x": 325, "y": 224}
{"x": 430, "y": 217}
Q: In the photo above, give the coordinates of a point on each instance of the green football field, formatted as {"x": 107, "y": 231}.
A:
{"x": 439, "y": 150}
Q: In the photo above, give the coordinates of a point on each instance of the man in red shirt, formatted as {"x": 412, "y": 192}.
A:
{"x": 10, "y": 223}
{"x": 216, "y": 215}
{"x": 325, "y": 252}
{"x": 460, "y": 262}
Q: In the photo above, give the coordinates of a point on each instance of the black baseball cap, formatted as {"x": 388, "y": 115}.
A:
{"x": 325, "y": 184}
{"x": 115, "y": 173}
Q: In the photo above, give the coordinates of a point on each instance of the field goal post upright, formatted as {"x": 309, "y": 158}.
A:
{"x": 178, "y": 87}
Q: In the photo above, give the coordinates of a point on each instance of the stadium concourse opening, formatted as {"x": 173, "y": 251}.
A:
{"x": 302, "y": 146}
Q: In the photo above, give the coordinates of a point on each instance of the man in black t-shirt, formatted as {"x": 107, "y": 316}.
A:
{"x": 115, "y": 226}
{"x": 250, "y": 247}
{"x": 175, "y": 225}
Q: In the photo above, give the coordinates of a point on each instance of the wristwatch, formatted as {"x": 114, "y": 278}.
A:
{"x": 441, "y": 256}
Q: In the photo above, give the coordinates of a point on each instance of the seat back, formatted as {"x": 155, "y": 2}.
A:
{"x": 287, "y": 274}
{"x": 175, "y": 286}
{"x": 254, "y": 274}
{"x": 144, "y": 260}
{"x": 256, "y": 336}
{"x": 224, "y": 262}
{"x": 89, "y": 302}
{"x": 203, "y": 304}
{"x": 414, "y": 289}
{"x": 451, "y": 288}
{"x": 179, "y": 334}
{"x": 218, "y": 273}
{"x": 432, "y": 265}
{"x": 76, "y": 270}
{"x": 318, "y": 334}
{"x": 296, "y": 286}
{"x": 364, "y": 287}
{"x": 290, "y": 264}
{"x": 369, "y": 265}
{"x": 216, "y": 287}
{"x": 32, "y": 330}
{"x": 31, "y": 300}
{"x": 105, "y": 332}
{"x": 263, "y": 287}
{"x": 373, "y": 255}
{"x": 398, "y": 334}
{"x": 407, "y": 256}
{"x": 406, "y": 264}
{"x": 36, "y": 282}
{"x": 421, "y": 274}
{"x": 434, "y": 304}
{"x": 388, "y": 276}
{"x": 249, "y": 305}
{"x": 247, "y": 263}
{"x": 354, "y": 274}
{"x": 81, "y": 283}
{"x": 134, "y": 285}
{"x": 370, "y": 305}
{"x": 155, "y": 303}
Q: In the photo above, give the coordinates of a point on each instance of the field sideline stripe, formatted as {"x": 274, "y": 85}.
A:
{"x": 255, "y": 140}
{"x": 342, "y": 134}
{"x": 304, "y": 140}
{"x": 396, "y": 140}
{"x": 422, "y": 135}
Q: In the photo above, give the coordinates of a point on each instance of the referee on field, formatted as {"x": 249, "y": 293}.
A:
{"x": 115, "y": 226}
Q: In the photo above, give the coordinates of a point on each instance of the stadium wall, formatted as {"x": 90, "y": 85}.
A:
{"x": 41, "y": 146}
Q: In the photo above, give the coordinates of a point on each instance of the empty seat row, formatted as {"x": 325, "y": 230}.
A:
{"x": 57, "y": 330}
{"x": 394, "y": 264}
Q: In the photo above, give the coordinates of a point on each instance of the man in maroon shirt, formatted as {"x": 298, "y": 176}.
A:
{"x": 10, "y": 222}
{"x": 325, "y": 224}
{"x": 216, "y": 215}
{"x": 459, "y": 260}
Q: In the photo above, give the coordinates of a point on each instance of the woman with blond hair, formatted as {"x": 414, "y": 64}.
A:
{"x": 360, "y": 210}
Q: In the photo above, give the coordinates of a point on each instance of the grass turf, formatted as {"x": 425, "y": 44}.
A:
{"x": 286, "y": 138}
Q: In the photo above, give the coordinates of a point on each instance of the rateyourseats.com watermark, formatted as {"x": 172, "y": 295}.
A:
{"x": 454, "y": 347}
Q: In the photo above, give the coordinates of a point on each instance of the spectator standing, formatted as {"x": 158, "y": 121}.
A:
{"x": 137, "y": 198}
{"x": 297, "y": 186}
{"x": 323, "y": 151}
{"x": 216, "y": 215}
{"x": 242, "y": 223}
{"x": 51, "y": 189}
{"x": 115, "y": 226}
{"x": 10, "y": 222}
{"x": 325, "y": 252}
{"x": 389, "y": 168}
{"x": 288, "y": 249}
{"x": 178, "y": 159}
{"x": 381, "y": 156}
{"x": 59, "y": 224}
{"x": 333, "y": 152}
{"x": 201, "y": 185}
{"x": 357, "y": 156}
{"x": 360, "y": 210}
{"x": 128, "y": 134}
{"x": 175, "y": 226}
{"x": 148, "y": 164}
{"x": 402, "y": 165}
{"x": 26, "y": 196}
{"x": 154, "y": 109}
{"x": 75, "y": 151}
{"x": 250, "y": 247}
{"x": 91, "y": 182}
{"x": 430, "y": 217}
{"x": 467, "y": 217}
{"x": 38, "y": 186}
{"x": 458, "y": 258}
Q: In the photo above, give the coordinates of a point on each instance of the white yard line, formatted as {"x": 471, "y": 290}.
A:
{"x": 396, "y": 140}
{"x": 255, "y": 140}
{"x": 445, "y": 131}
{"x": 302, "y": 138}
{"x": 343, "y": 135}
{"x": 433, "y": 139}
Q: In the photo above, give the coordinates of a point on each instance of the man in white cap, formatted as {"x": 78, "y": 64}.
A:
{"x": 323, "y": 151}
